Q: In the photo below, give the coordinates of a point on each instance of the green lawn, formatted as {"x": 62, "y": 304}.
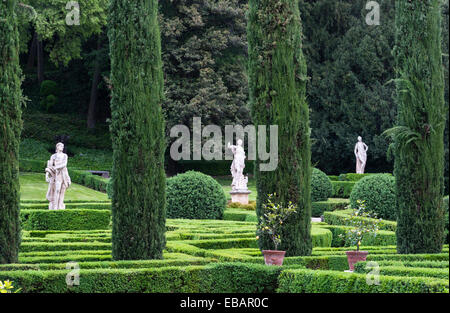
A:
{"x": 226, "y": 185}
{"x": 34, "y": 187}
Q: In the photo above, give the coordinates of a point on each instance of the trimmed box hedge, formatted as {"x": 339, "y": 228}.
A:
{"x": 225, "y": 243}
{"x": 237, "y": 205}
{"x": 198, "y": 236}
{"x": 188, "y": 260}
{"x": 338, "y": 218}
{"x": 442, "y": 273}
{"x": 71, "y": 201}
{"x": 64, "y": 252}
{"x": 69, "y": 205}
{"x": 428, "y": 264}
{"x": 68, "y": 239}
{"x": 60, "y": 246}
{"x": 321, "y": 237}
{"x": 337, "y": 255}
{"x": 333, "y": 177}
{"x": 63, "y": 259}
{"x": 88, "y": 179}
{"x": 353, "y": 176}
{"x": 332, "y": 204}
{"x": 237, "y": 214}
{"x": 342, "y": 189}
{"x": 336, "y": 231}
{"x": 340, "y": 263}
{"x": 73, "y": 219}
{"x": 214, "y": 278}
{"x": 311, "y": 281}
{"x": 383, "y": 237}
{"x": 44, "y": 233}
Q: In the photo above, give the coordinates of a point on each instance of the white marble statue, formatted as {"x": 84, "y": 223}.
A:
{"x": 58, "y": 179}
{"x": 237, "y": 167}
{"x": 361, "y": 155}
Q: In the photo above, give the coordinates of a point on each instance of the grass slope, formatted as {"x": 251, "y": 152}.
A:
{"x": 34, "y": 187}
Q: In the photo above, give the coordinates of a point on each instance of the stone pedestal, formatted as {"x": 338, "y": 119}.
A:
{"x": 240, "y": 196}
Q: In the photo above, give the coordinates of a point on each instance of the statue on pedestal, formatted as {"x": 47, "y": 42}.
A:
{"x": 237, "y": 167}
{"x": 239, "y": 191}
{"x": 58, "y": 179}
{"x": 361, "y": 155}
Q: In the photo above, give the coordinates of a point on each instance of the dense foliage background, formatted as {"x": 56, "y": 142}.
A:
{"x": 204, "y": 47}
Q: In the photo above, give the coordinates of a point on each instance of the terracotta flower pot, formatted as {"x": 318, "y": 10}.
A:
{"x": 273, "y": 257}
{"x": 354, "y": 257}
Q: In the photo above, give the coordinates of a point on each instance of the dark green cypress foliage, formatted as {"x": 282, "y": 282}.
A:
{"x": 137, "y": 129}
{"x": 277, "y": 81}
{"x": 10, "y": 128}
{"x": 418, "y": 135}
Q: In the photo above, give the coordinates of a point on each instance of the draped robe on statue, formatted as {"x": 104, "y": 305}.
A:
{"x": 58, "y": 178}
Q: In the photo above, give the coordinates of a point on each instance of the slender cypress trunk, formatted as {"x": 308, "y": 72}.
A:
{"x": 277, "y": 81}
{"x": 137, "y": 130}
{"x": 419, "y": 134}
{"x": 94, "y": 89}
{"x": 10, "y": 128}
{"x": 40, "y": 61}
{"x": 32, "y": 53}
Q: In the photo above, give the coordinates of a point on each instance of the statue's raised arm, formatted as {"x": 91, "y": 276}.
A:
{"x": 231, "y": 147}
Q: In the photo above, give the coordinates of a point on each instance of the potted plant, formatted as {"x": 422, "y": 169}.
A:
{"x": 270, "y": 224}
{"x": 362, "y": 223}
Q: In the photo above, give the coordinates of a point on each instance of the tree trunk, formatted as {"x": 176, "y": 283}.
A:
{"x": 32, "y": 53}
{"x": 40, "y": 61}
{"x": 277, "y": 81}
{"x": 94, "y": 89}
{"x": 419, "y": 132}
{"x": 10, "y": 125}
{"x": 137, "y": 131}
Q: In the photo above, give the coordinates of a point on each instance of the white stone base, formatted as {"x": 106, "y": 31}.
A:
{"x": 240, "y": 196}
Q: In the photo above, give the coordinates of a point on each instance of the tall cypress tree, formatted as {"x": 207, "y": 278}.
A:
{"x": 137, "y": 129}
{"x": 419, "y": 133}
{"x": 10, "y": 128}
{"x": 277, "y": 82}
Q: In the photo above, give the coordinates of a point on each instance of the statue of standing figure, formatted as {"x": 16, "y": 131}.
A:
{"x": 237, "y": 167}
{"x": 361, "y": 155}
{"x": 58, "y": 179}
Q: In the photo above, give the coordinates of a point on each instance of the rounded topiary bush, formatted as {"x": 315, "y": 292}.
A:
{"x": 49, "y": 87}
{"x": 49, "y": 102}
{"x": 378, "y": 192}
{"x": 49, "y": 94}
{"x": 194, "y": 195}
{"x": 321, "y": 187}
